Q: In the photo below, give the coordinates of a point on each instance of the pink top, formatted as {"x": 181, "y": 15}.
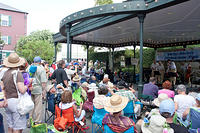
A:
{"x": 168, "y": 92}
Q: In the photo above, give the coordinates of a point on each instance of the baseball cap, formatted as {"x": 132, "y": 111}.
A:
{"x": 37, "y": 59}
{"x": 167, "y": 106}
{"x": 181, "y": 87}
{"x": 198, "y": 97}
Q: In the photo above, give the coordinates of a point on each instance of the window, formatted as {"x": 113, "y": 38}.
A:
{"x": 6, "y": 39}
{"x": 5, "y": 20}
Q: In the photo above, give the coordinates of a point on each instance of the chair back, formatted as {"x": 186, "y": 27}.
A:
{"x": 90, "y": 96}
{"x": 98, "y": 115}
{"x": 108, "y": 130}
{"x": 129, "y": 109}
{"x": 51, "y": 102}
{"x": 146, "y": 97}
{"x": 67, "y": 113}
{"x": 195, "y": 117}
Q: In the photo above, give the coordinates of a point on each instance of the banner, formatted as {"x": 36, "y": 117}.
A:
{"x": 179, "y": 55}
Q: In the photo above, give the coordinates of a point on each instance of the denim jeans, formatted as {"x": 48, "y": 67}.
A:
{"x": 1, "y": 124}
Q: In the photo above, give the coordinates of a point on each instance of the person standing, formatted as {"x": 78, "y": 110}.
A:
{"x": 16, "y": 122}
{"x": 39, "y": 86}
{"x": 154, "y": 68}
{"x": 172, "y": 71}
{"x": 161, "y": 70}
{"x": 60, "y": 75}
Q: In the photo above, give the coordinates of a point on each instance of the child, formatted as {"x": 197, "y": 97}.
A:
{"x": 67, "y": 102}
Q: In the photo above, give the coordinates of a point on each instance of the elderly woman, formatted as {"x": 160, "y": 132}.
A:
{"x": 114, "y": 119}
{"x": 16, "y": 122}
{"x": 167, "y": 85}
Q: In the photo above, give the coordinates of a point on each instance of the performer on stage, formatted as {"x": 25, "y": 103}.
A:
{"x": 171, "y": 70}
{"x": 161, "y": 70}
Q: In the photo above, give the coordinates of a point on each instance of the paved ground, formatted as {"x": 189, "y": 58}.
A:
{"x": 50, "y": 122}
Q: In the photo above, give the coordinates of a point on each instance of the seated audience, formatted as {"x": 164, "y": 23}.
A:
{"x": 115, "y": 121}
{"x": 167, "y": 85}
{"x": 150, "y": 88}
{"x": 182, "y": 100}
{"x": 196, "y": 107}
{"x": 123, "y": 90}
{"x": 99, "y": 100}
{"x": 167, "y": 110}
{"x": 67, "y": 102}
{"x": 106, "y": 81}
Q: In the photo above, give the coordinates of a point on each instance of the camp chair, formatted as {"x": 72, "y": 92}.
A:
{"x": 129, "y": 110}
{"x": 97, "y": 118}
{"x": 69, "y": 115}
{"x": 108, "y": 130}
{"x": 49, "y": 107}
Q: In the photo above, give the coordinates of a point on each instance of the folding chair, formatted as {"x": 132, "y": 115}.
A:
{"x": 108, "y": 130}
{"x": 49, "y": 107}
{"x": 69, "y": 115}
{"x": 129, "y": 110}
{"x": 97, "y": 118}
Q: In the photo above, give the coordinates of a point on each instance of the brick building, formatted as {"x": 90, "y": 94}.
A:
{"x": 13, "y": 25}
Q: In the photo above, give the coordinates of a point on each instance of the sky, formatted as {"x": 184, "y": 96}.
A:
{"x": 47, "y": 14}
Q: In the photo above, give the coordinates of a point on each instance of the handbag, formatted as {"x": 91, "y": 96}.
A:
{"x": 25, "y": 103}
{"x": 38, "y": 128}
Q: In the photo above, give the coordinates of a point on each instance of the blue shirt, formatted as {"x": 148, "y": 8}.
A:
{"x": 150, "y": 89}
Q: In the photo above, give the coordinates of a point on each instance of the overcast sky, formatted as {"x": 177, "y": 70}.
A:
{"x": 47, "y": 14}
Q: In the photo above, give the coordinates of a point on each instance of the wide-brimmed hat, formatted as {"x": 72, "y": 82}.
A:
{"x": 85, "y": 84}
{"x": 92, "y": 86}
{"x": 156, "y": 125}
{"x": 13, "y": 60}
{"x": 161, "y": 97}
{"x": 76, "y": 78}
{"x": 49, "y": 87}
{"x": 115, "y": 103}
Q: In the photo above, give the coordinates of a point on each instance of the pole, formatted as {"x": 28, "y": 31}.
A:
{"x": 134, "y": 77}
{"x": 87, "y": 55}
{"x": 113, "y": 59}
{"x": 68, "y": 27}
{"x": 141, "y": 21}
{"x": 55, "y": 51}
{"x": 70, "y": 49}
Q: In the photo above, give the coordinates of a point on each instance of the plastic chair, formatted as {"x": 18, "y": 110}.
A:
{"x": 108, "y": 130}
{"x": 69, "y": 115}
{"x": 129, "y": 110}
{"x": 97, "y": 118}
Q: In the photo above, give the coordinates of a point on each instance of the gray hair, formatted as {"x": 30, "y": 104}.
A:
{"x": 181, "y": 88}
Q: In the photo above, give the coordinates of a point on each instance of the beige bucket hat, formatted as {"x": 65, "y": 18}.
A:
{"x": 115, "y": 103}
{"x": 160, "y": 98}
{"x": 13, "y": 60}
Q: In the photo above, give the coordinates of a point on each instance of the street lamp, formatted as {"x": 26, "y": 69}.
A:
{"x": 1, "y": 51}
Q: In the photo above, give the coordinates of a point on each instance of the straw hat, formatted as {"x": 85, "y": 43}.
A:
{"x": 156, "y": 125}
{"x": 76, "y": 78}
{"x": 13, "y": 60}
{"x": 115, "y": 103}
{"x": 161, "y": 97}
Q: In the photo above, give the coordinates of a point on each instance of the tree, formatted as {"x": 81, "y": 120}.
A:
{"x": 38, "y": 43}
{"x": 102, "y": 2}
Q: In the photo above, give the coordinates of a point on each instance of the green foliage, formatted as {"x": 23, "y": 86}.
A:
{"x": 38, "y": 43}
{"x": 102, "y": 2}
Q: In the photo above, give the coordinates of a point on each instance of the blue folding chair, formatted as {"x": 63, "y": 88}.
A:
{"x": 108, "y": 130}
{"x": 129, "y": 110}
{"x": 97, "y": 118}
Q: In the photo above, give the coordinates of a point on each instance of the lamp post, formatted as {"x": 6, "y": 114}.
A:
{"x": 1, "y": 51}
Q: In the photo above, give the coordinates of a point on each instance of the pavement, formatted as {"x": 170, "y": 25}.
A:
{"x": 27, "y": 130}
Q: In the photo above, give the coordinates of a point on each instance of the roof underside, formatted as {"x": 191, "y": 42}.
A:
{"x": 177, "y": 25}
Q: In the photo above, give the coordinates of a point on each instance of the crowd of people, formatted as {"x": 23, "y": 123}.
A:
{"x": 85, "y": 91}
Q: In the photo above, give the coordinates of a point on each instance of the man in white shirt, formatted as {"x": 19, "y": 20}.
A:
{"x": 172, "y": 71}
{"x": 70, "y": 72}
{"x": 161, "y": 70}
{"x": 154, "y": 67}
{"x": 182, "y": 100}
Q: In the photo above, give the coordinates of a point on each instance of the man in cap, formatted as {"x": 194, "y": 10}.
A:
{"x": 39, "y": 86}
{"x": 167, "y": 110}
{"x": 182, "y": 100}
